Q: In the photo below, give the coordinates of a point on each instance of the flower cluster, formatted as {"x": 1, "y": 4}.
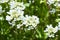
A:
{"x": 16, "y": 14}
{"x": 50, "y": 30}
{"x": 17, "y": 5}
{"x": 31, "y": 21}
{"x": 52, "y": 11}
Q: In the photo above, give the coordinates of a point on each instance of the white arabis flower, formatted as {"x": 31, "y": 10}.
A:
{"x": 31, "y": 21}
{"x": 55, "y": 29}
{"x": 57, "y": 4}
{"x": 15, "y": 4}
{"x": 15, "y": 13}
{"x": 50, "y": 30}
{"x": 52, "y": 11}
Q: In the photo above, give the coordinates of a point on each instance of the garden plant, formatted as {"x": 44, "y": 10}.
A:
{"x": 29, "y": 19}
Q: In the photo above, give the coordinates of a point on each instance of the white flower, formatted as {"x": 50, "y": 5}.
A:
{"x": 15, "y": 13}
{"x": 52, "y": 11}
{"x": 17, "y": 5}
{"x": 50, "y": 2}
{"x": 31, "y": 21}
{"x": 8, "y": 18}
{"x": 13, "y": 4}
{"x": 55, "y": 29}
{"x": 57, "y": 4}
{"x": 3, "y": 1}
{"x": 51, "y": 31}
